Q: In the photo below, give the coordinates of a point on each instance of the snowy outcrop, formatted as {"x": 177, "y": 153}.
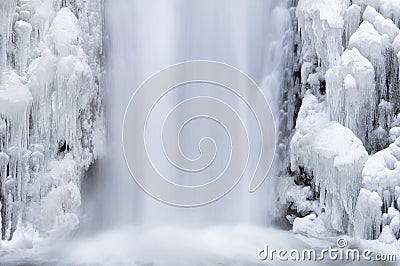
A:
{"x": 368, "y": 215}
{"x": 350, "y": 93}
{"x": 334, "y": 156}
{"x": 7, "y": 9}
{"x": 388, "y": 8}
{"x": 356, "y": 84}
{"x": 50, "y": 113}
{"x": 352, "y": 20}
{"x": 381, "y": 191}
{"x": 311, "y": 226}
{"x": 321, "y": 24}
{"x": 376, "y": 40}
{"x": 369, "y": 42}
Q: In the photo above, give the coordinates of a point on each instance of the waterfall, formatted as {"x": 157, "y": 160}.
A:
{"x": 145, "y": 37}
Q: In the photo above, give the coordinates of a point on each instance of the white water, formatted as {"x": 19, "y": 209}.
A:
{"x": 143, "y": 38}
{"x": 147, "y": 36}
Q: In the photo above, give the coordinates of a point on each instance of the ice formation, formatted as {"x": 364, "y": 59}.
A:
{"x": 321, "y": 24}
{"x": 367, "y": 215}
{"x": 334, "y": 156}
{"x": 350, "y": 92}
{"x": 349, "y": 56}
{"x": 381, "y": 191}
{"x": 50, "y": 113}
{"x": 388, "y": 8}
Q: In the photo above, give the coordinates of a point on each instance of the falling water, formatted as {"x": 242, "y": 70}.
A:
{"x": 146, "y": 36}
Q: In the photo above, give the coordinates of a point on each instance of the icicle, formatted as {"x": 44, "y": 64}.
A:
{"x": 321, "y": 24}
{"x": 334, "y": 156}
{"x": 42, "y": 106}
{"x": 350, "y": 93}
{"x": 352, "y": 19}
{"x": 7, "y": 9}
{"x": 367, "y": 215}
{"x": 390, "y": 9}
{"x": 23, "y": 32}
{"x": 382, "y": 25}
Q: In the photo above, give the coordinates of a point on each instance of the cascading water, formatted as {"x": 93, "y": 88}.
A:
{"x": 145, "y": 37}
{"x": 121, "y": 224}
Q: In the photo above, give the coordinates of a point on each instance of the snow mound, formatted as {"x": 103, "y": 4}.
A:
{"x": 65, "y": 32}
{"x": 333, "y": 155}
{"x": 352, "y": 19}
{"x": 311, "y": 226}
{"x": 381, "y": 191}
{"x": 321, "y": 24}
{"x": 390, "y": 9}
{"x": 6, "y": 18}
{"x": 367, "y": 215}
{"x": 350, "y": 92}
{"x": 382, "y": 169}
{"x": 382, "y": 25}
{"x": 369, "y": 42}
{"x": 15, "y": 97}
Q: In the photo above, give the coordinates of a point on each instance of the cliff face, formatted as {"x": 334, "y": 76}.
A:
{"x": 349, "y": 71}
{"x": 51, "y": 123}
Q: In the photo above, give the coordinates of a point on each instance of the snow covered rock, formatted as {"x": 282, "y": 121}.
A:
{"x": 352, "y": 19}
{"x": 65, "y": 32}
{"x": 369, "y": 42}
{"x": 311, "y": 226}
{"x": 362, "y": 94}
{"x": 321, "y": 24}
{"x": 50, "y": 112}
{"x": 7, "y": 10}
{"x": 15, "y": 97}
{"x": 390, "y": 9}
{"x": 387, "y": 236}
{"x": 368, "y": 215}
{"x": 334, "y": 156}
{"x": 350, "y": 92}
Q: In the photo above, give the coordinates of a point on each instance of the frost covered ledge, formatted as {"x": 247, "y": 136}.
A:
{"x": 51, "y": 125}
{"x": 349, "y": 71}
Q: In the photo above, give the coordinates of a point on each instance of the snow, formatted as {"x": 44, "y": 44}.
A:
{"x": 6, "y": 16}
{"x": 64, "y": 32}
{"x": 382, "y": 25}
{"x": 356, "y": 44}
{"x": 369, "y": 42}
{"x": 383, "y": 168}
{"x": 333, "y": 155}
{"x": 390, "y": 9}
{"x": 350, "y": 92}
{"x": 367, "y": 215}
{"x": 311, "y": 226}
{"x": 352, "y": 19}
{"x": 321, "y": 24}
{"x": 329, "y": 11}
{"x": 387, "y": 236}
{"x": 23, "y": 32}
{"x": 15, "y": 97}
{"x": 50, "y": 117}
{"x": 396, "y": 44}
{"x": 364, "y": 3}
{"x": 375, "y": 39}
